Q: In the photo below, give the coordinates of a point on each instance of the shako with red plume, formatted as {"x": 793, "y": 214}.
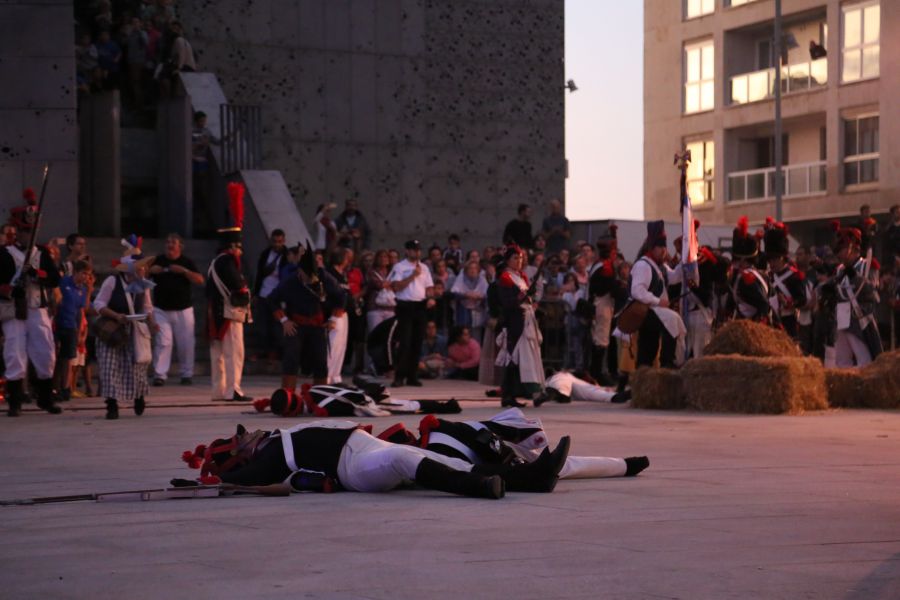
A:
{"x": 234, "y": 233}
{"x": 744, "y": 245}
{"x": 776, "y": 238}
{"x": 845, "y": 236}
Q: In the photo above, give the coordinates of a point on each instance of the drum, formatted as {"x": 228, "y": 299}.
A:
{"x": 632, "y": 316}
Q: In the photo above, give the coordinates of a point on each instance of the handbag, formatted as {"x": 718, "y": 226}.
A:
{"x": 240, "y": 312}
{"x": 110, "y": 332}
{"x": 143, "y": 352}
{"x": 385, "y": 298}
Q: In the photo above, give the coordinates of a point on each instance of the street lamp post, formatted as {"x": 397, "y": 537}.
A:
{"x": 779, "y": 44}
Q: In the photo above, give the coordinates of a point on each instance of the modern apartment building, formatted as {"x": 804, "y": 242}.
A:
{"x": 709, "y": 85}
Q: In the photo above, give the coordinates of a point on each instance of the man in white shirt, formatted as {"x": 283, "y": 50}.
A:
{"x": 412, "y": 285}
{"x": 650, "y": 278}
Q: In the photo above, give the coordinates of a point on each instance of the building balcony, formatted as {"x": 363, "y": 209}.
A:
{"x": 806, "y": 179}
{"x": 760, "y": 85}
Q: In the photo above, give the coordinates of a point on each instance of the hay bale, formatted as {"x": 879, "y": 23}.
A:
{"x": 881, "y": 381}
{"x": 845, "y": 387}
{"x": 657, "y": 389}
{"x": 749, "y": 338}
{"x": 747, "y": 384}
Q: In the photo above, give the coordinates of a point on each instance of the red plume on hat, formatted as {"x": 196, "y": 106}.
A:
{"x": 236, "y": 203}
{"x": 743, "y": 245}
{"x": 29, "y": 196}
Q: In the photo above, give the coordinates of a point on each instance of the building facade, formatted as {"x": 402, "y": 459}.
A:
{"x": 438, "y": 116}
{"x": 709, "y": 81}
{"x": 38, "y": 120}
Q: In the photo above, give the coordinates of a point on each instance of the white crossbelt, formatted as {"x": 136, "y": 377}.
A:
{"x": 436, "y": 437}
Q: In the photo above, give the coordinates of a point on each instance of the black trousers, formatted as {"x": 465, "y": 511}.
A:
{"x": 651, "y": 333}
{"x": 306, "y": 349}
{"x": 790, "y": 326}
{"x": 410, "y": 333}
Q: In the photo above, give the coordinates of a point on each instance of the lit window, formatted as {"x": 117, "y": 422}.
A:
{"x": 699, "y": 81}
{"x": 739, "y": 2}
{"x": 697, "y": 8}
{"x": 861, "y": 150}
{"x": 701, "y": 171}
{"x": 861, "y": 34}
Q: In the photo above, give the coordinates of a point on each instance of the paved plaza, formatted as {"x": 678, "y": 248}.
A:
{"x": 731, "y": 507}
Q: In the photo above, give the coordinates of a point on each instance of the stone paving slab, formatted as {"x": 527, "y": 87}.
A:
{"x": 731, "y": 507}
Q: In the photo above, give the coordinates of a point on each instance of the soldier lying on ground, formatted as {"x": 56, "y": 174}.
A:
{"x": 332, "y": 455}
{"x": 507, "y": 438}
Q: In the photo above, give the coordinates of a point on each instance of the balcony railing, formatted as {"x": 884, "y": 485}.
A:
{"x": 759, "y": 85}
{"x": 759, "y": 184}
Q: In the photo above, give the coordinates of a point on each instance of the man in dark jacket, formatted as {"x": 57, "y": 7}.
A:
{"x": 268, "y": 269}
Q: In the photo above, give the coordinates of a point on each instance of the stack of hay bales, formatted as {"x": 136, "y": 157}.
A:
{"x": 874, "y": 386}
{"x": 748, "y": 338}
{"x": 749, "y": 384}
{"x": 752, "y": 368}
{"x": 748, "y": 367}
{"x": 657, "y": 389}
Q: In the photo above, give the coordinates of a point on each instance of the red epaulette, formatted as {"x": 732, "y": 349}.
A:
{"x": 800, "y": 274}
{"x": 876, "y": 266}
{"x": 748, "y": 278}
{"x": 426, "y": 425}
{"x": 507, "y": 280}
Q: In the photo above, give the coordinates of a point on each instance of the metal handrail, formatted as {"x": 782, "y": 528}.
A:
{"x": 795, "y": 77}
{"x": 801, "y": 179}
{"x": 241, "y": 137}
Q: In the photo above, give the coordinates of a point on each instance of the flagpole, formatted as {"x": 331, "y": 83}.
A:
{"x": 687, "y": 222}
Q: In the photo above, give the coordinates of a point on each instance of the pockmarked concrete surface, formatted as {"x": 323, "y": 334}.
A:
{"x": 731, "y": 507}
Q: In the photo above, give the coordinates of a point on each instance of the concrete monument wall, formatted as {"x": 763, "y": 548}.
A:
{"x": 37, "y": 109}
{"x": 439, "y": 116}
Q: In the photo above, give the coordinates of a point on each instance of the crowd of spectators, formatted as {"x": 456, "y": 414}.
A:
{"x": 136, "y": 46}
{"x": 460, "y": 315}
{"x": 461, "y": 310}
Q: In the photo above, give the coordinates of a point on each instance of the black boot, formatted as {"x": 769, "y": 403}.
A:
{"x": 437, "y": 407}
{"x": 539, "y": 476}
{"x": 139, "y": 406}
{"x": 112, "y": 409}
{"x": 603, "y": 377}
{"x": 45, "y": 396}
{"x": 621, "y": 397}
{"x": 14, "y": 395}
{"x": 635, "y": 464}
{"x": 597, "y": 357}
{"x": 623, "y": 382}
{"x": 509, "y": 386}
{"x": 434, "y": 475}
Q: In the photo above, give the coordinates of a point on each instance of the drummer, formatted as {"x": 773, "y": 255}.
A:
{"x": 650, "y": 278}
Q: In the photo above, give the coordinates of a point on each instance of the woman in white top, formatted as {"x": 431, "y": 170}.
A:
{"x": 123, "y": 367}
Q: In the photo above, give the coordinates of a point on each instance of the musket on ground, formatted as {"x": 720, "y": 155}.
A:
{"x": 171, "y": 493}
